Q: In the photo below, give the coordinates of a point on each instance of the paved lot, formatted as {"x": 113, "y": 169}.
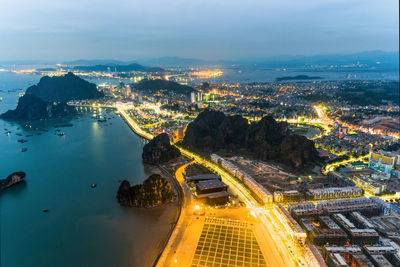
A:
{"x": 225, "y": 242}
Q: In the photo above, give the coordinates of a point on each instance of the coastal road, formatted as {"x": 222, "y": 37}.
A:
{"x": 168, "y": 256}
{"x": 276, "y": 252}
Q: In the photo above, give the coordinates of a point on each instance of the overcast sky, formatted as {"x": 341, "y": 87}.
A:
{"x": 208, "y": 29}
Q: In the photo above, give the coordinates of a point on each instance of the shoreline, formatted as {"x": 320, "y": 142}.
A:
{"x": 142, "y": 233}
{"x": 177, "y": 188}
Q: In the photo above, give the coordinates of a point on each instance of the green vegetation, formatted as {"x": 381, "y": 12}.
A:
{"x": 153, "y": 86}
{"x": 266, "y": 139}
{"x": 318, "y": 98}
{"x": 371, "y": 94}
{"x": 154, "y": 191}
{"x": 64, "y": 88}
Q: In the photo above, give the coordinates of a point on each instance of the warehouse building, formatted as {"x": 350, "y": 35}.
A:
{"x": 210, "y": 186}
{"x": 216, "y": 198}
{"x": 202, "y": 177}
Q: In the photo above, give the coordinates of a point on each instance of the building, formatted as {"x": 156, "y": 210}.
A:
{"x": 365, "y": 206}
{"x": 216, "y": 198}
{"x": 307, "y": 213}
{"x": 340, "y": 249}
{"x": 336, "y": 192}
{"x": 304, "y": 210}
{"x": 287, "y": 196}
{"x": 313, "y": 256}
{"x": 193, "y": 97}
{"x": 386, "y": 208}
{"x": 380, "y": 255}
{"x": 320, "y": 236}
{"x": 339, "y": 179}
{"x": 259, "y": 192}
{"x": 383, "y": 161}
{"x": 290, "y": 225}
{"x": 357, "y": 235}
{"x": 361, "y": 221}
{"x": 210, "y": 186}
{"x": 348, "y": 259}
{"x": 202, "y": 177}
{"x": 368, "y": 183}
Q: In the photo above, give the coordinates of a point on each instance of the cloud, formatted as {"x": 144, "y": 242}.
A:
{"x": 198, "y": 28}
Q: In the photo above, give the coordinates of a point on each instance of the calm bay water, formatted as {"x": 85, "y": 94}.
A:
{"x": 84, "y": 226}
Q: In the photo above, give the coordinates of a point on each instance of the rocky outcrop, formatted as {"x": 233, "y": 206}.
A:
{"x": 234, "y": 130}
{"x": 154, "y": 191}
{"x": 203, "y": 134}
{"x": 64, "y": 88}
{"x": 48, "y": 98}
{"x": 159, "y": 150}
{"x": 298, "y": 152}
{"x": 152, "y": 86}
{"x": 31, "y": 107}
{"x": 264, "y": 137}
{"x": 267, "y": 139}
{"x": 12, "y": 179}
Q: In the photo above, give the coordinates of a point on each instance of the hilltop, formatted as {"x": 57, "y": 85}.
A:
{"x": 159, "y": 150}
{"x": 266, "y": 139}
{"x": 48, "y": 98}
{"x": 152, "y": 86}
{"x": 64, "y": 88}
{"x": 154, "y": 191}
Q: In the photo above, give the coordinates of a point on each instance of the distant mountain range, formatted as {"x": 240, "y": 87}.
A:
{"x": 118, "y": 67}
{"x": 371, "y": 58}
{"x": 161, "y": 61}
{"x": 377, "y": 58}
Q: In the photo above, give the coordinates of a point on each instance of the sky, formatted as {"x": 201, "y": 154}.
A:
{"x": 205, "y": 29}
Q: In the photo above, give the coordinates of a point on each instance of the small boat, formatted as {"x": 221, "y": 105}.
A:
{"x": 22, "y": 140}
{"x": 24, "y": 149}
{"x": 93, "y": 185}
{"x": 61, "y": 134}
{"x": 45, "y": 210}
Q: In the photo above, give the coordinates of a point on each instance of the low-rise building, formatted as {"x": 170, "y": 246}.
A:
{"x": 370, "y": 184}
{"x": 291, "y": 226}
{"x": 336, "y": 192}
{"x": 357, "y": 235}
{"x": 286, "y": 196}
{"x": 210, "y": 186}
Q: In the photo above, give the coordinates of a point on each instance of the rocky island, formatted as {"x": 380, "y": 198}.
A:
{"x": 266, "y": 139}
{"x": 11, "y": 180}
{"x": 154, "y": 191}
{"x": 31, "y": 107}
{"x": 48, "y": 99}
{"x": 159, "y": 150}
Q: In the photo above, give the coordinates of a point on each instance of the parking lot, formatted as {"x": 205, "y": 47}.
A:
{"x": 227, "y": 243}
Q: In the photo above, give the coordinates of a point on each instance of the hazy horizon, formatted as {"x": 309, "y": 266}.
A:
{"x": 131, "y": 30}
